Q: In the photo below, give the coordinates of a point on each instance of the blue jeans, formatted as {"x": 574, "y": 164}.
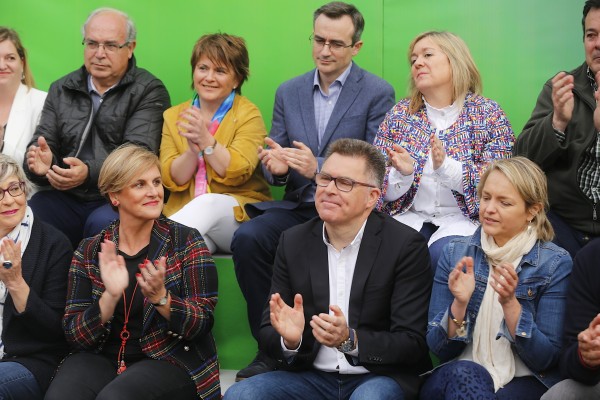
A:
{"x": 17, "y": 382}
{"x": 76, "y": 218}
{"x": 466, "y": 380}
{"x": 315, "y": 384}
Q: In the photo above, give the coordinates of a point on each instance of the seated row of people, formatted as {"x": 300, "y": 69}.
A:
{"x": 349, "y": 297}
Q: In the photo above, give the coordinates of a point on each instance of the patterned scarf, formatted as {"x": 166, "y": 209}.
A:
{"x": 201, "y": 186}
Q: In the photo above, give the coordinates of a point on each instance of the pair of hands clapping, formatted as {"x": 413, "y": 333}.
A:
{"x": 329, "y": 330}
{"x": 151, "y": 278}
{"x": 39, "y": 161}
{"x": 404, "y": 163}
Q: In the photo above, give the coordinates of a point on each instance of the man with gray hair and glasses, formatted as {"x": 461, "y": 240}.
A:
{"x": 88, "y": 113}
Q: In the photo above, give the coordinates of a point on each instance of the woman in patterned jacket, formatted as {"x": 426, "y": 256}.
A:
{"x": 439, "y": 140}
{"x": 140, "y": 298}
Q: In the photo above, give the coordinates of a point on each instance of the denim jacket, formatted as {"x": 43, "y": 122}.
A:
{"x": 541, "y": 290}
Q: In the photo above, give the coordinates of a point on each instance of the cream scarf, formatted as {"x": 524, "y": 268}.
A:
{"x": 496, "y": 355}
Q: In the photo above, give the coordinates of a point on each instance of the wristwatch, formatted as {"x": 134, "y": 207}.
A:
{"x": 162, "y": 301}
{"x": 348, "y": 344}
{"x": 208, "y": 150}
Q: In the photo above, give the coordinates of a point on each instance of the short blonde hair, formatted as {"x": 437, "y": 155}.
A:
{"x": 465, "y": 75}
{"x": 122, "y": 166}
{"x": 530, "y": 182}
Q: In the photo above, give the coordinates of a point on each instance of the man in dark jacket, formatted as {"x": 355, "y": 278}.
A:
{"x": 88, "y": 113}
{"x": 561, "y": 138}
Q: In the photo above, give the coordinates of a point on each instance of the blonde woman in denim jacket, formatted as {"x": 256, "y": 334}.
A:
{"x": 498, "y": 299}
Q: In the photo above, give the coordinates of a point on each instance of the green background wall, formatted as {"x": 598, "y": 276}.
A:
{"x": 517, "y": 44}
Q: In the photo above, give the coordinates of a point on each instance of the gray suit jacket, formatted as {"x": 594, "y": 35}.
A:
{"x": 360, "y": 108}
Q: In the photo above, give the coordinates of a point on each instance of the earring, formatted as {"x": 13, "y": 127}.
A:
{"x": 529, "y": 224}
{"x": 115, "y": 203}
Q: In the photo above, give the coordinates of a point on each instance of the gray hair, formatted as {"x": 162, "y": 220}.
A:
{"x": 131, "y": 31}
{"x": 10, "y": 167}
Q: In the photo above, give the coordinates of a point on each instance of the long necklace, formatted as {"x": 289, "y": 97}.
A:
{"x": 124, "y": 335}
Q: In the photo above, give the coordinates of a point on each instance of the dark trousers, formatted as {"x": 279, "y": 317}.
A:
{"x": 88, "y": 376}
{"x": 74, "y": 217}
{"x": 253, "y": 246}
{"x": 467, "y": 380}
{"x": 566, "y": 237}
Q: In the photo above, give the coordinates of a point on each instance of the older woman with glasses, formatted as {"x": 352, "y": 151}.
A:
{"x": 20, "y": 103}
{"x": 208, "y": 149}
{"x": 141, "y": 298}
{"x": 34, "y": 261}
{"x": 439, "y": 141}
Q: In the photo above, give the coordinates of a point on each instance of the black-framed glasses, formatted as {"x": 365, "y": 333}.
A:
{"x": 109, "y": 47}
{"x": 334, "y": 45}
{"x": 15, "y": 189}
{"x": 342, "y": 183}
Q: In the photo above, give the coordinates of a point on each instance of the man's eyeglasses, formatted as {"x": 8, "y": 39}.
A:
{"x": 109, "y": 47}
{"x": 344, "y": 184}
{"x": 15, "y": 189}
{"x": 334, "y": 45}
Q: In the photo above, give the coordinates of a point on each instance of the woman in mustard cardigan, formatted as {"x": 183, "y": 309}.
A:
{"x": 208, "y": 152}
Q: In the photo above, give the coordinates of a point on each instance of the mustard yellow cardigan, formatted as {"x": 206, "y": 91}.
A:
{"x": 241, "y": 132}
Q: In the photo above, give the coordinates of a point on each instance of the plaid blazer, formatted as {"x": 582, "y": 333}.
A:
{"x": 191, "y": 278}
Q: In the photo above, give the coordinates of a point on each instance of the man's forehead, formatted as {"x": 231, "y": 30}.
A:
{"x": 107, "y": 24}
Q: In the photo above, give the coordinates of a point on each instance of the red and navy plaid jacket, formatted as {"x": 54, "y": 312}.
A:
{"x": 191, "y": 278}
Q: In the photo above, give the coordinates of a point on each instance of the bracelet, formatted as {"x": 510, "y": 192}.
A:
{"x": 460, "y": 326}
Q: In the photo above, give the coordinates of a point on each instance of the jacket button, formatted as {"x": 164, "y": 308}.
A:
{"x": 179, "y": 337}
{"x": 169, "y": 332}
{"x": 186, "y": 348}
{"x": 174, "y": 335}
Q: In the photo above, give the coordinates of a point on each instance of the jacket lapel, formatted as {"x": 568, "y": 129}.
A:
{"x": 348, "y": 95}
{"x": 307, "y": 112}
{"x": 369, "y": 247}
{"x": 319, "y": 269}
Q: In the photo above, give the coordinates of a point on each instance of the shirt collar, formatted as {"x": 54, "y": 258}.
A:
{"x": 341, "y": 79}
{"x": 357, "y": 239}
{"x": 92, "y": 87}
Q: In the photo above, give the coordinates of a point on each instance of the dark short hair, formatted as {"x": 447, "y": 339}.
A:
{"x": 360, "y": 149}
{"x": 337, "y": 9}
{"x": 224, "y": 50}
{"x": 589, "y": 4}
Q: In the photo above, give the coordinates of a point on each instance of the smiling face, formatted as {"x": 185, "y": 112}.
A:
{"x": 591, "y": 39}
{"x": 105, "y": 67}
{"x": 503, "y": 213}
{"x": 351, "y": 208}
{"x": 11, "y": 65}
{"x": 213, "y": 82}
{"x": 430, "y": 69}
{"x": 12, "y": 209}
{"x": 142, "y": 198}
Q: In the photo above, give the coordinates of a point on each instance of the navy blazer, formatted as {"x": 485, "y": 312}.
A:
{"x": 389, "y": 297}
{"x": 363, "y": 102}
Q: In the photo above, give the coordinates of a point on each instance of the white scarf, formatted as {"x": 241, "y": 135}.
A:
{"x": 496, "y": 356}
{"x": 20, "y": 233}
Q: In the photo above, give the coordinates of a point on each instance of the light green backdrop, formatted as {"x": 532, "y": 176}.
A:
{"x": 517, "y": 44}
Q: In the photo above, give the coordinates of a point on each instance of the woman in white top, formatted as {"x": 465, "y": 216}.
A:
{"x": 439, "y": 140}
{"x": 20, "y": 103}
